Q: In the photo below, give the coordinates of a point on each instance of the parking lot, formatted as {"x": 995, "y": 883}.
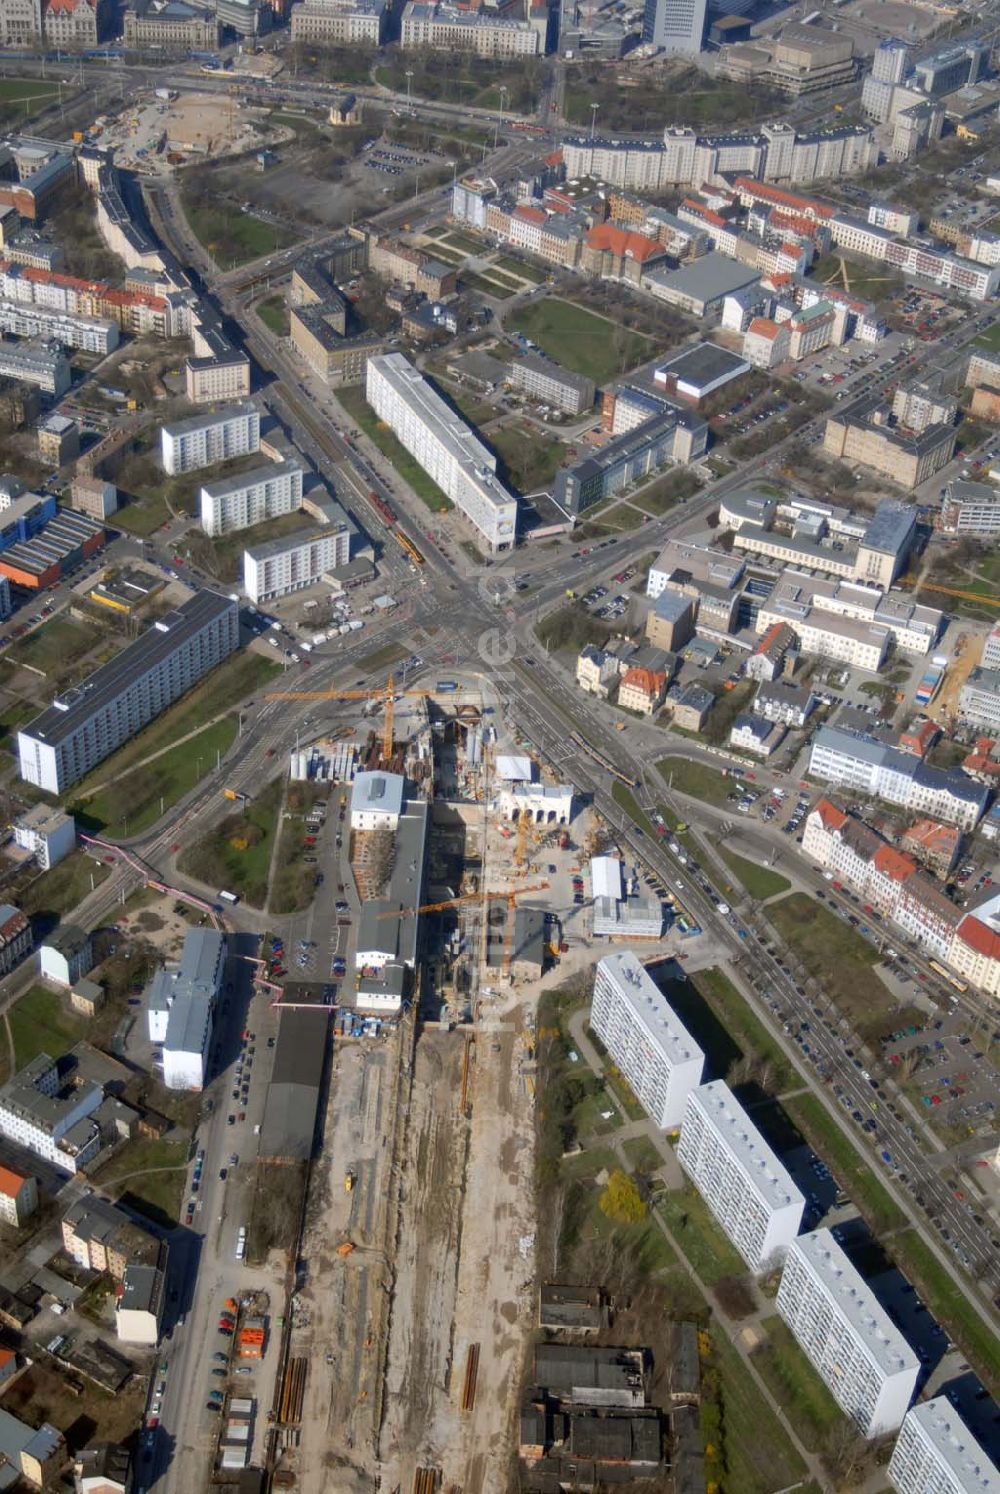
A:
{"x": 949, "y": 1076}
{"x": 923, "y": 313}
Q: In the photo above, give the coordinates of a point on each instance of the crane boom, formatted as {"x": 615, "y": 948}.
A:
{"x": 385, "y": 693}
{"x": 468, "y": 897}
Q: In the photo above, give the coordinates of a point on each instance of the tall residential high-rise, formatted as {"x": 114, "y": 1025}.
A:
{"x": 890, "y": 61}
{"x": 936, "y": 1453}
{"x": 866, "y": 1363}
{"x": 675, "y": 25}
{"x": 744, "y": 1183}
{"x": 658, "y": 1058}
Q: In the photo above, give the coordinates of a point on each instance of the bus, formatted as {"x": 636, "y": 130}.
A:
{"x": 228, "y": 897}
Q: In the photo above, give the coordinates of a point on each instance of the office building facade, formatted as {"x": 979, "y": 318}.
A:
{"x": 658, "y": 1058}
{"x": 87, "y": 724}
{"x": 674, "y": 25}
{"x": 206, "y": 439}
{"x": 738, "y": 1175}
{"x": 848, "y": 1337}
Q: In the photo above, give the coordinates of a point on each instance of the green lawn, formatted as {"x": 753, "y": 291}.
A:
{"x": 853, "y": 1171}
{"x": 861, "y": 280}
{"x": 359, "y": 410}
{"x": 760, "y": 881}
{"x": 20, "y": 98}
{"x": 989, "y": 339}
{"x": 60, "y": 890}
{"x": 274, "y": 314}
{"x": 530, "y": 460}
{"x": 384, "y": 657}
{"x": 742, "y": 1024}
{"x": 486, "y": 287}
{"x": 222, "y": 558}
{"x": 41, "y": 1022}
{"x": 143, "y": 516}
{"x": 643, "y": 1154}
{"x": 752, "y": 1452}
{"x": 138, "y": 798}
{"x": 939, "y": 1290}
{"x": 624, "y": 797}
{"x": 294, "y": 881}
{"x": 234, "y": 238}
{"x": 835, "y": 956}
{"x": 463, "y": 241}
{"x": 54, "y": 646}
{"x": 695, "y": 780}
{"x": 236, "y": 853}
{"x": 148, "y": 1176}
{"x": 795, "y": 1385}
{"x": 699, "y": 1237}
{"x": 224, "y": 688}
{"x": 13, "y": 716}
{"x": 501, "y": 278}
{"x": 520, "y": 268}
{"x": 581, "y": 341}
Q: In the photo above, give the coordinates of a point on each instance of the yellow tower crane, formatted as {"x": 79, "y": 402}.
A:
{"x": 385, "y": 693}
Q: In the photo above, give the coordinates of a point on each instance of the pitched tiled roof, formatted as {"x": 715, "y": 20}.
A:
{"x": 979, "y": 937}
{"x": 623, "y": 243}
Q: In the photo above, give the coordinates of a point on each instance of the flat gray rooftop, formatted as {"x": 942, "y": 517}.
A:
{"x": 107, "y": 683}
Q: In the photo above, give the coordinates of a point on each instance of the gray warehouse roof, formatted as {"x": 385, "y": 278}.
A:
{"x": 137, "y": 659}
{"x": 891, "y": 527}
{"x": 707, "y": 279}
{"x": 289, "y": 1125}
{"x": 705, "y": 363}
{"x": 377, "y": 793}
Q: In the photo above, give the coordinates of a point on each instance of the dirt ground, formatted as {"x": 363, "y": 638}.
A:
{"x": 340, "y": 1320}
{"x": 465, "y": 1271}
{"x": 161, "y": 923}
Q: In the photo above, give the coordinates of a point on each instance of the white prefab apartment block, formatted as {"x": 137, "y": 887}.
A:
{"x": 744, "y": 1184}
{"x": 88, "y": 723}
{"x": 449, "y": 451}
{"x": 864, "y": 1360}
{"x": 281, "y": 566}
{"x": 181, "y": 1008}
{"x": 206, "y": 439}
{"x": 658, "y": 1057}
{"x": 935, "y": 1453}
{"x": 251, "y": 498}
{"x": 48, "y": 833}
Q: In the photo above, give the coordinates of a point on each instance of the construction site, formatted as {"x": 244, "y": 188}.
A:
{"x": 413, "y": 1300}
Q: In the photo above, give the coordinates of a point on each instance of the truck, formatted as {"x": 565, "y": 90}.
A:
{"x": 349, "y": 1180}
{"x": 166, "y": 94}
{"x": 250, "y": 1344}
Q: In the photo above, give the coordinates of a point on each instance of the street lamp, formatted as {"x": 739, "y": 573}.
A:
{"x": 593, "y": 119}
{"x": 499, "y": 124}
{"x": 409, "y": 80}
